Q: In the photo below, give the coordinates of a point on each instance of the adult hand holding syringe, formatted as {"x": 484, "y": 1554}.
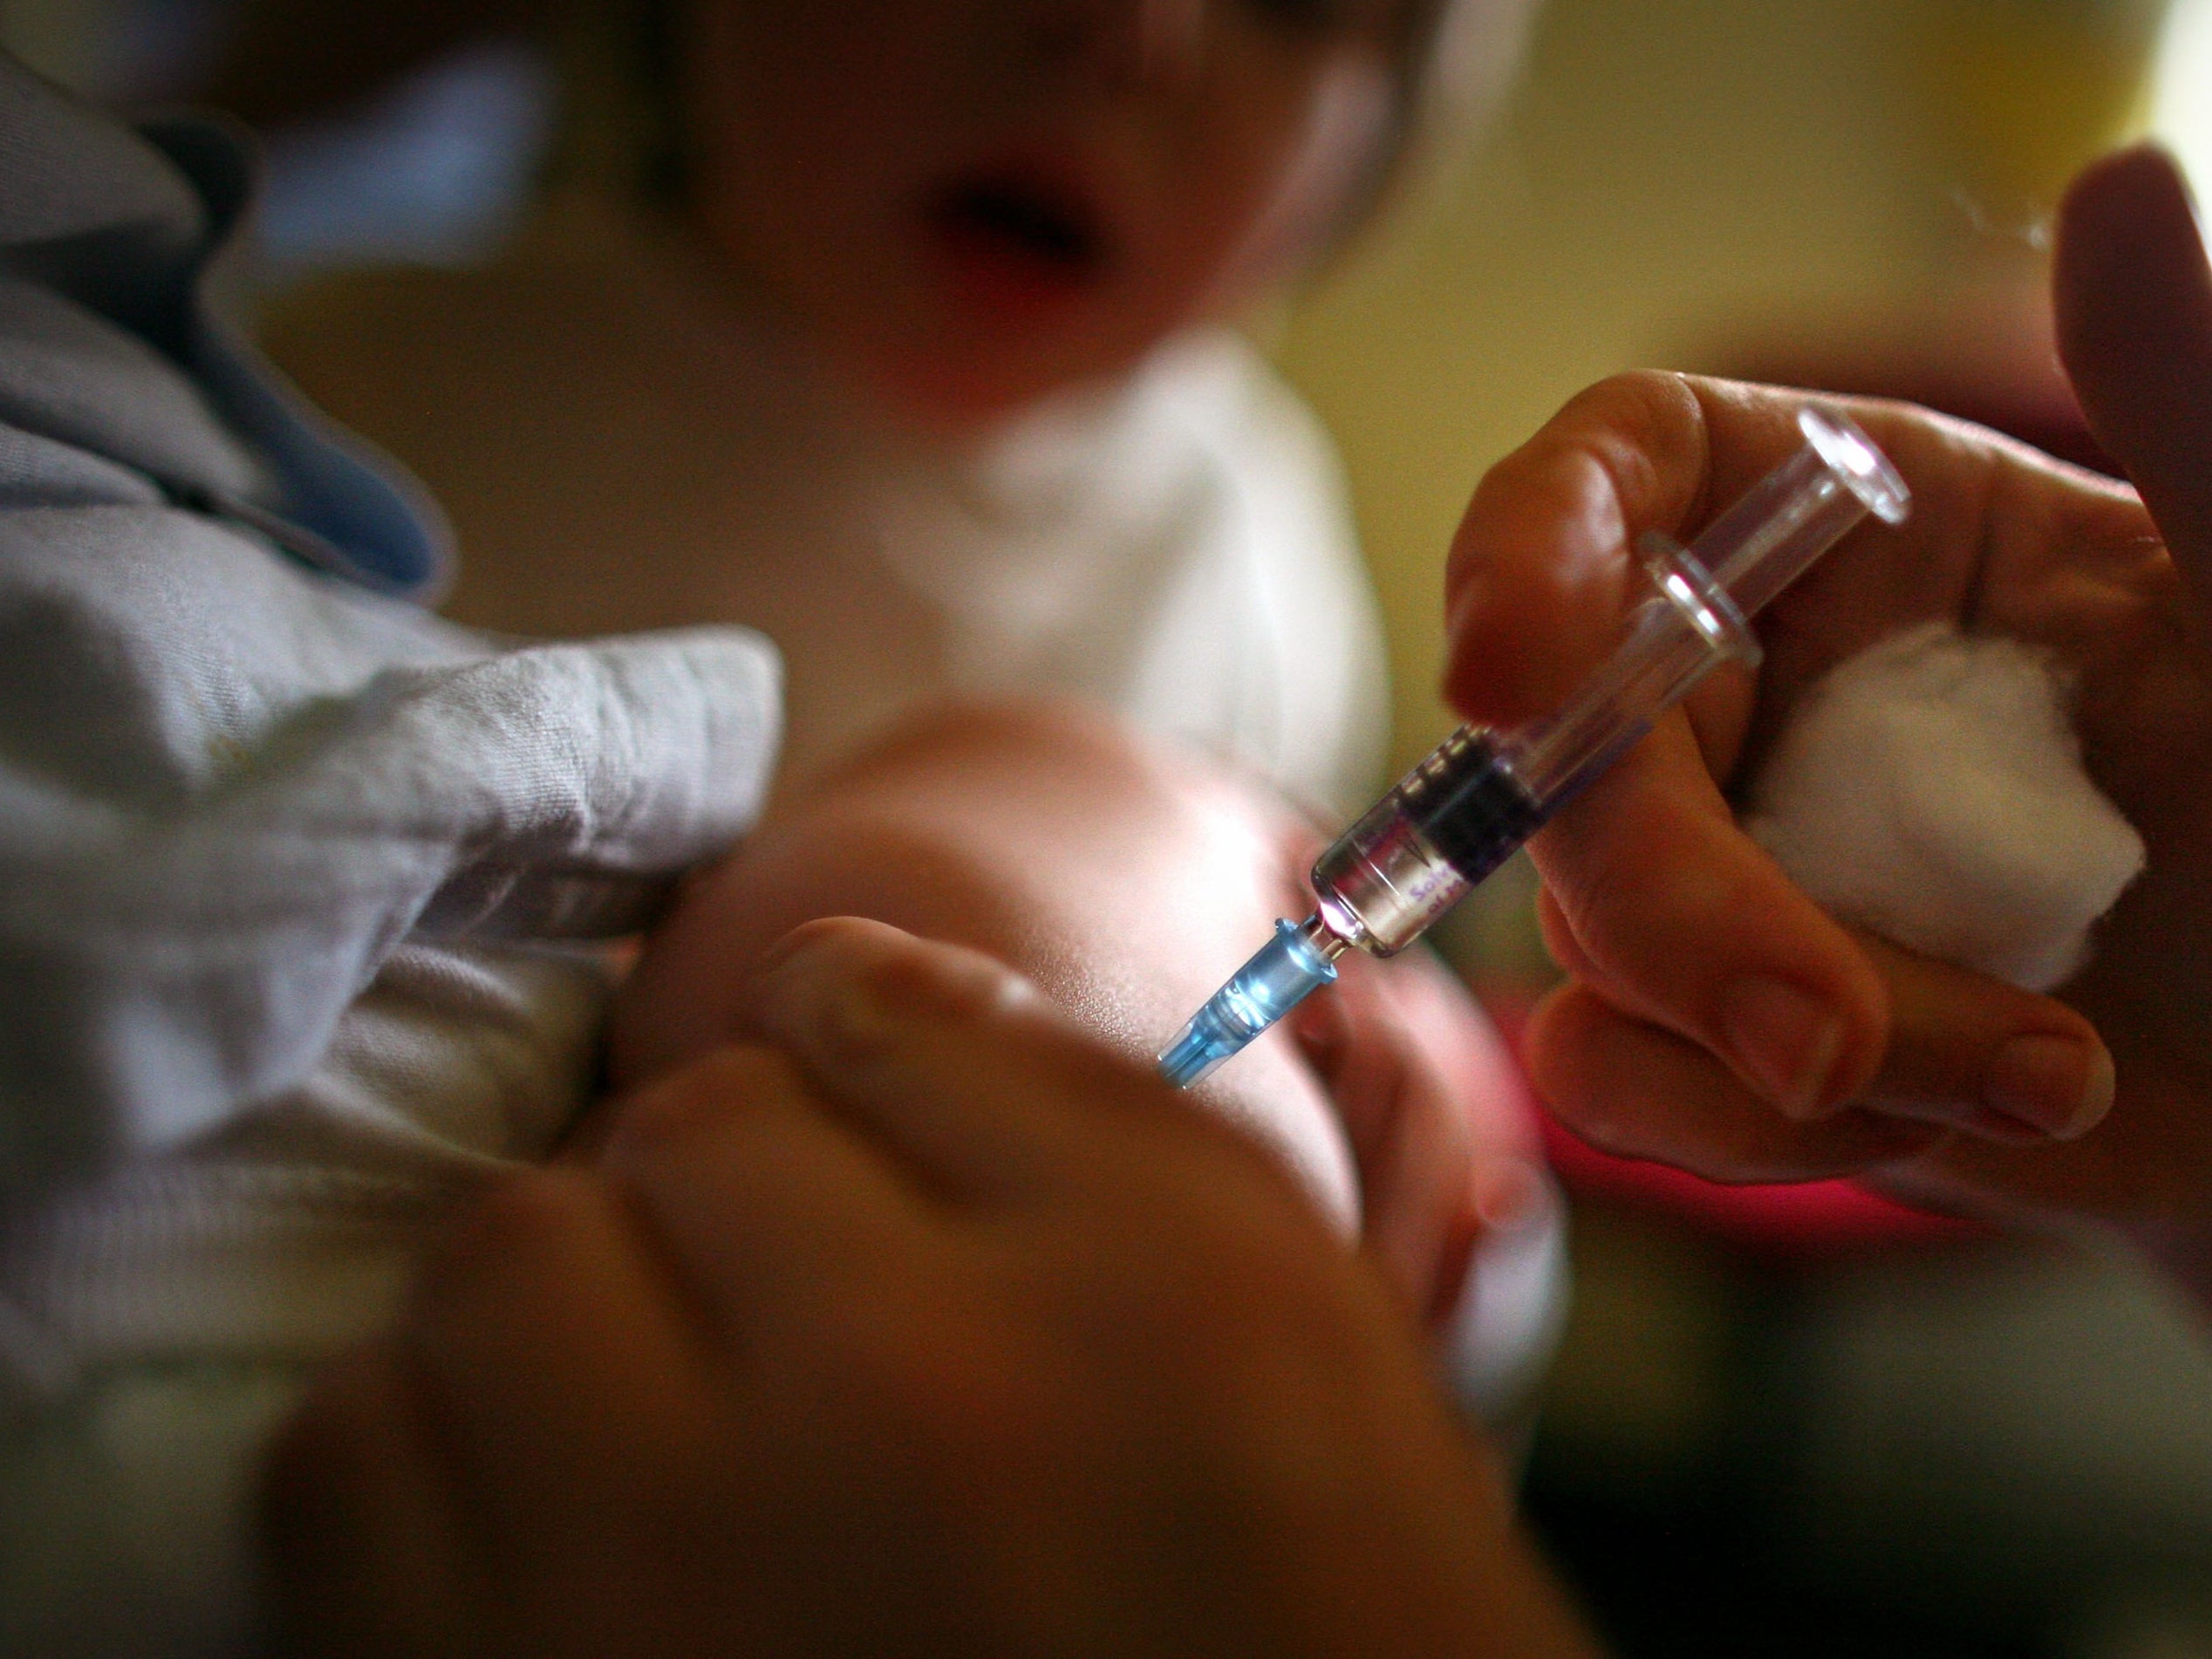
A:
{"x": 1675, "y": 1038}
{"x": 1486, "y": 790}
{"x": 1715, "y": 1017}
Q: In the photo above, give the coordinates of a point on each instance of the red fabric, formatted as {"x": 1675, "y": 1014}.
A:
{"x": 1814, "y": 1218}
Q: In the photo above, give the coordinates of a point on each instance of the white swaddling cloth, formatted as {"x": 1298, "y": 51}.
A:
{"x": 1931, "y": 789}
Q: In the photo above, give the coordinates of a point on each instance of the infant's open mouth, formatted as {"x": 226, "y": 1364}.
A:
{"x": 1022, "y": 228}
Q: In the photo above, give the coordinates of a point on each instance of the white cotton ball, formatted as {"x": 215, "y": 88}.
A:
{"x": 1931, "y": 790}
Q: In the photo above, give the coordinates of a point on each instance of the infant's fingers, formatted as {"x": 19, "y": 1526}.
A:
{"x": 1409, "y": 1121}
{"x": 1635, "y": 1091}
{"x": 1985, "y": 1056}
{"x": 1684, "y": 922}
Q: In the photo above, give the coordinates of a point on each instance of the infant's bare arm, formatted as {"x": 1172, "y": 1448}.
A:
{"x": 1124, "y": 883}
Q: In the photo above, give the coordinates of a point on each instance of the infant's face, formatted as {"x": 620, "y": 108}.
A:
{"x": 973, "y": 202}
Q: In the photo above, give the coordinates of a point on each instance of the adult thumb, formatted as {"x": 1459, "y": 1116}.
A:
{"x": 2133, "y": 297}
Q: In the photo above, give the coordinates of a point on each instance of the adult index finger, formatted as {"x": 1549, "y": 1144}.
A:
{"x": 954, "y": 1066}
{"x": 1543, "y": 568}
{"x": 1537, "y": 579}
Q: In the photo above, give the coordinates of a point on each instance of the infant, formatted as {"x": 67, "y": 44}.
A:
{"x": 920, "y": 364}
{"x": 898, "y": 331}
{"x": 304, "y": 888}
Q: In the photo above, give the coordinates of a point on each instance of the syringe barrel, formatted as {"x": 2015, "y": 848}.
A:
{"x": 1772, "y": 535}
{"x": 1462, "y": 812}
{"x": 1449, "y": 823}
{"x": 1687, "y": 628}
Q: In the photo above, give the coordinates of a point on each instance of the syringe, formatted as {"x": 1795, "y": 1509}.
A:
{"x": 1461, "y": 813}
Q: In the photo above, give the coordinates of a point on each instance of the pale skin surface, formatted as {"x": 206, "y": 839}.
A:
{"x": 1654, "y": 1047}
{"x": 1125, "y": 885}
{"x": 899, "y": 1313}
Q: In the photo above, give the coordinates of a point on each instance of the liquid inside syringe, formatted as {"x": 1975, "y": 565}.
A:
{"x": 1465, "y": 808}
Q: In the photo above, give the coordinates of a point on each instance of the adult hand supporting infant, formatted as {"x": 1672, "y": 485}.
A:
{"x": 1126, "y": 883}
{"x": 1715, "y": 1018}
{"x": 934, "y": 1328}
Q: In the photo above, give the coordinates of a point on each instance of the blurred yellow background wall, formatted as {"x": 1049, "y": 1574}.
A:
{"x": 1666, "y": 177}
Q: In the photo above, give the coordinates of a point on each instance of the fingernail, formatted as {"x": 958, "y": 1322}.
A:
{"x": 1509, "y": 1196}
{"x": 897, "y": 995}
{"x": 2060, "y": 1086}
{"x": 853, "y": 989}
{"x": 1785, "y": 1040}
